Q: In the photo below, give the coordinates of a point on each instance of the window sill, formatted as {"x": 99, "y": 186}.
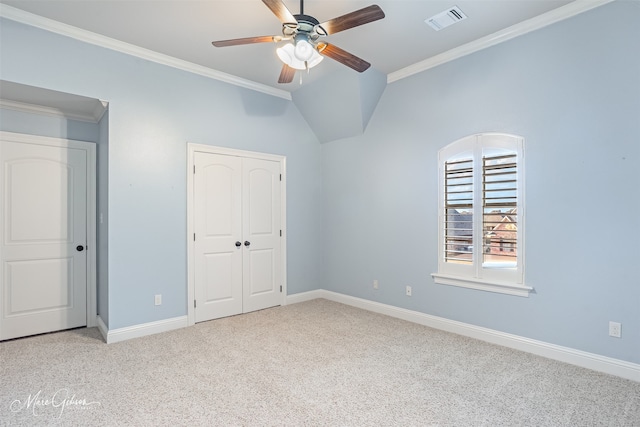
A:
{"x": 482, "y": 285}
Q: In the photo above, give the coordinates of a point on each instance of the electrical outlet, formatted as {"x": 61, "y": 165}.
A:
{"x": 158, "y": 300}
{"x": 408, "y": 291}
{"x": 375, "y": 284}
{"x": 615, "y": 329}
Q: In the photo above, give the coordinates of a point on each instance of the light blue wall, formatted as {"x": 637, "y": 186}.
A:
{"x": 154, "y": 111}
{"x": 573, "y": 91}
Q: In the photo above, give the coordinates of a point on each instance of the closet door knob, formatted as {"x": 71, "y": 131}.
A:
{"x": 247, "y": 243}
{"x": 238, "y": 244}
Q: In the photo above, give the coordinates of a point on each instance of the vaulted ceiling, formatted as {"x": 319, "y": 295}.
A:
{"x": 184, "y": 29}
{"x": 179, "y": 33}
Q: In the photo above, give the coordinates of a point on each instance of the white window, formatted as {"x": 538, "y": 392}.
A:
{"x": 481, "y": 214}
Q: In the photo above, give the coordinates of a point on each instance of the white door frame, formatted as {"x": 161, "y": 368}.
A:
{"x": 191, "y": 149}
{"x": 92, "y": 247}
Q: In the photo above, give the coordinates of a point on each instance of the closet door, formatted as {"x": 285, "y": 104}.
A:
{"x": 261, "y": 230}
{"x": 218, "y": 230}
{"x": 237, "y": 239}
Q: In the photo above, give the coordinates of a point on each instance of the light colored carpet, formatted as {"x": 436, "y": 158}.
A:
{"x": 317, "y": 363}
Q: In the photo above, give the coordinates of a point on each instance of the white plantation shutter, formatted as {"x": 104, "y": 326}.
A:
{"x": 500, "y": 207}
{"x": 482, "y": 214}
{"x": 458, "y": 211}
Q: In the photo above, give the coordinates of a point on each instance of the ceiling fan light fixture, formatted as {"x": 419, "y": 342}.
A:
{"x": 287, "y": 55}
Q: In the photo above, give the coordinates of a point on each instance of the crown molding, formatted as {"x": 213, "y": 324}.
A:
{"x": 47, "y": 24}
{"x": 93, "y": 116}
{"x": 567, "y": 11}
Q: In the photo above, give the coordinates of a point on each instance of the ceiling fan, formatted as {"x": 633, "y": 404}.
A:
{"x": 305, "y": 32}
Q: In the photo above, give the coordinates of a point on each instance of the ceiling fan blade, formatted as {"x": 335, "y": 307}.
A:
{"x": 246, "y": 40}
{"x": 343, "y": 57}
{"x": 287, "y": 74}
{"x": 353, "y": 19}
{"x": 280, "y": 10}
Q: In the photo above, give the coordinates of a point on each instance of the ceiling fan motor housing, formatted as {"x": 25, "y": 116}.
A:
{"x": 306, "y": 24}
{"x": 308, "y": 20}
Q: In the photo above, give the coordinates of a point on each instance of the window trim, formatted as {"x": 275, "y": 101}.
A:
{"x": 481, "y": 284}
{"x": 474, "y": 275}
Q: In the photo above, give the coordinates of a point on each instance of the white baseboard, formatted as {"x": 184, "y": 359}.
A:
{"x": 144, "y": 329}
{"x": 136, "y": 331}
{"x": 572, "y": 356}
{"x": 305, "y": 296}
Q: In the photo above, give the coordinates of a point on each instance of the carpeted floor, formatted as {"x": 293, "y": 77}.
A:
{"x": 317, "y": 363}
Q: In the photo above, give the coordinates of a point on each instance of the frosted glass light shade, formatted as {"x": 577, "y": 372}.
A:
{"x": 303, "y": 50}
{"x": 315, "y": 59}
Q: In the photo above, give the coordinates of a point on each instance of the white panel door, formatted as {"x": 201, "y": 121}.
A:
{"x": 261, "y": 229}
{"x": 218, "y": 230}
{"x": 237, "y": 248}
{"x": 44, "y": 234}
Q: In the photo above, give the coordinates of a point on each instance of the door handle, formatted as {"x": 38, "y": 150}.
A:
{"x": 238, "y": 244}
{"x": 247, "y": 243}
{"x": 79, "y": 248}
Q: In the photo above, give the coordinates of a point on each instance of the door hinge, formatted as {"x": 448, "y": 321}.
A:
{"x": 194, "y": 169}
{"x": 280, "y": 288}
{"x": 194, "y": 237}
{"x": 280, "y": 233}
{"x": 194, "y": 303}
{"x": 280, "y": 177}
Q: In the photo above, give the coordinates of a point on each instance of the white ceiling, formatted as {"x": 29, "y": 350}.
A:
{"x": 184, "y": 29}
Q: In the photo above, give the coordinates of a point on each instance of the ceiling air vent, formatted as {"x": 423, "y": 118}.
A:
{"x": 446, "y": 18}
